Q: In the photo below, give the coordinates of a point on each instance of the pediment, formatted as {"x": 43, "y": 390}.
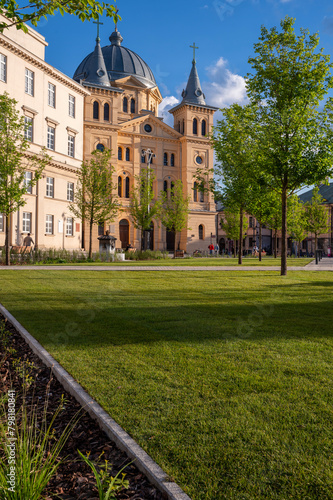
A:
{"x": 159, "y": 128}
{"x": 129, "y": 81}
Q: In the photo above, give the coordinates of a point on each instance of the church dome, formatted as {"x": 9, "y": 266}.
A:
{"x": 120, "y": 62}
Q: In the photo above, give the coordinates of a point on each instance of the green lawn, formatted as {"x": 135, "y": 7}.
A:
{"x": 224, "y": 379}
{"x": 200, "y": 261}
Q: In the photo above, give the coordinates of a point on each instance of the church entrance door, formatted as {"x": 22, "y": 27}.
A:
{"x": 170, "y": 240}
{"x": 124, "y": 233}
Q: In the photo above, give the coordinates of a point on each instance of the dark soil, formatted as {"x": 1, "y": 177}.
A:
{"x": 74, "y": 479}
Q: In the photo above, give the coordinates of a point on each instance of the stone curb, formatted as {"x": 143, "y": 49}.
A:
{"x": 141, "y": 459}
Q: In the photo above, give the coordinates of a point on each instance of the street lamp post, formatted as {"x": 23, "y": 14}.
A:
{"x": 149, "y": 155}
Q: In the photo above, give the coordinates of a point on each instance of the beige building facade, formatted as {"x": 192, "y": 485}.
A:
{"x": 52, "y": 105}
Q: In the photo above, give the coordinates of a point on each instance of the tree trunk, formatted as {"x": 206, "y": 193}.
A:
{"x": 7, "y": 241}
{"x": 240, "y": 245}
{"x": 235, "y": 253}
{"x": 90, "y": 240}
{"x": 275, "y": 244}
{"x": 260, "y": 240}
{"x": 175, "y": 247}
{"x": 284, "y": 232}
{"x": 316, "y": 243}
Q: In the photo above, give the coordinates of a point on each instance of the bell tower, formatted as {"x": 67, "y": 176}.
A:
{"x": 193, "y": 118}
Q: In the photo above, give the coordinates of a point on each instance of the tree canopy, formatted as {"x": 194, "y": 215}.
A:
{"x": 34, "y": 10}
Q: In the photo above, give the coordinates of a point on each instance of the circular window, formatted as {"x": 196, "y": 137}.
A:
{"x": 100, "y": 147}
{"x": 198, "y": 92}
{"x": 100, "y": 72}
{"x": 199, "y": 160}
{"x": 147, "y": 128}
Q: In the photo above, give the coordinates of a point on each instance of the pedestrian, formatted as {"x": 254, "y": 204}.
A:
{"x": 211, "y": 248}
{"x": 216, "y": 249}
{"x": 28, "y": 241}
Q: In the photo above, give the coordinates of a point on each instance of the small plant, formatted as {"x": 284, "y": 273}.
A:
{"x": 106, "y": 484}
{"x": 37, "y": 450}
{"x": 24, "y": 370}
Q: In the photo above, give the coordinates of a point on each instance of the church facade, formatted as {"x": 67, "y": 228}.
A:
{"x": 116, "y": 107}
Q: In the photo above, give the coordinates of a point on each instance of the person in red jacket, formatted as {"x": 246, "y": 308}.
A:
{"x": 211, "y": 249}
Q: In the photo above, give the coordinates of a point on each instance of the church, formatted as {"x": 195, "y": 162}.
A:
{"x": 111, "y": 102}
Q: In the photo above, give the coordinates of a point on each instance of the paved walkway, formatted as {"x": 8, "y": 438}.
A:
{"x": 326, "y": 264}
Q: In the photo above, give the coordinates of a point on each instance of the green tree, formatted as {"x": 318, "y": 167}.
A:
{"x": 15, "y": 161}
{"x": 144, "y": 207}
{"x": 297, "y": 220}
{"x": 273, "y": 216}
{"x": 34, "y": 10}
{"x": 236, "y": 156}
{"x": 289, "y": 81}
{"x": 317, "y": 216}
{"x": 94, "y": 201}
{"x": 175, "y": 209}
{"x": 230, "y": 223}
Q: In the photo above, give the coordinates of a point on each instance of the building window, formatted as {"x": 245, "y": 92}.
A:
{"x": 71, "y": 106}
{"x": 101, "y": 229}
{"x": 127, "y": 188}
{"x": 2, "y": 223}
{"x": 165, "y": 159}
{"x": 3, "y": 68}
{"x": 106, "y": 112}
{"x": 202, "y": 197}
{"x": 165, "y": 186}
{"x": 195, "y": 192}
{"x": 51, "y": 95}
{"x": 69, "y": 226}
{"x": 71, "y": 145}
{"x": 201, "y": 232}
{"x": 49, "y": 224}
{"x": 183, "y": 126}
{"x": 172, "y": 160}
{"x": 28, "y": 128}
{"x": 51, "y": 138}
{"x": 70, "y": 191}
{"x": 120, "y": 186}
{"x": 29, "y": 82}
{"x": 26, "y": 222}
{"x": 172, "y": 187}
{"x": 50, "y": 187}
{"x": 96, "y": 110}
{"x": 203, "y": 127}
{"x": 143, "y": 158}
{"x": 195, "y": 126}
{"x": 125, "y": 105}
{"x": 27, "y": 182}
{"x": 120, "y": 153}
{"x": 127, "y": 154}
{"x": 100, "y": 147}
{"x": 132, "y": 105}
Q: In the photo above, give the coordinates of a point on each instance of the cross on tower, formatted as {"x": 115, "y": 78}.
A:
{"x": 194, "y": 48}
{"x": 116, "y": 21}
{"x": 98, "y": 24}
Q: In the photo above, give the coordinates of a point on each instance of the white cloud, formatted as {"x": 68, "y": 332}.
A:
{"x": 224, "y": 87}
{"x": 167, "y": 103}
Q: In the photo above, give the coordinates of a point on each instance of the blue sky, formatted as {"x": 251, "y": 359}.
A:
{"x": 161, "y": 33}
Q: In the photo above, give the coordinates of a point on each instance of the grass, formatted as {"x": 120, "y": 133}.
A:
{"x": 224, "y": 379}
{"x": 195, "y": 261}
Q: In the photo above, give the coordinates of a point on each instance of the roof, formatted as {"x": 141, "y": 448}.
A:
{"x": 193, "y": 93}
{"x": 325, "y": 191}
{"x": 119, "y": 62}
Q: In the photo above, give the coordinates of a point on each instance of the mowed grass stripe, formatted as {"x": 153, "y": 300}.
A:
{"x": 225, "y": 380}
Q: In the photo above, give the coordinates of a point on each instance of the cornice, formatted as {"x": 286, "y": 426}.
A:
{"x": 54, "y": 163}
{"x": 202, "y": 142}
{"x": 46, "y": 68}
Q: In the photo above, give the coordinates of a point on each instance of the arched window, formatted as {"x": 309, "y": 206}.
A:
{"x": 202, "y": 197}
{"x": 178, "y": 126}
{"x": 195, "y": 192}
{"x": 127, "y": 188}
{"x": 96, "y": 110}
{"x": 172, "y": 186}
{"x": 106, "y": 112}
{"x": 132, "y": 105}
{"x": 127, "y": 154}
{"x": 203, "y": 127}
{"x": 172, "y": 160}
{"x": 195, "y": 126}
{"x": 120, "y": 186}
{"x": 143, "y": 158}
{"x": 201, "y": 232}
{"x": 125, "y": 105}
{"x": 165, "y": 159}
{"x": 120, "y": 153}
{"x": 165, "y": 186}
{"x": 100, "y": 147}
